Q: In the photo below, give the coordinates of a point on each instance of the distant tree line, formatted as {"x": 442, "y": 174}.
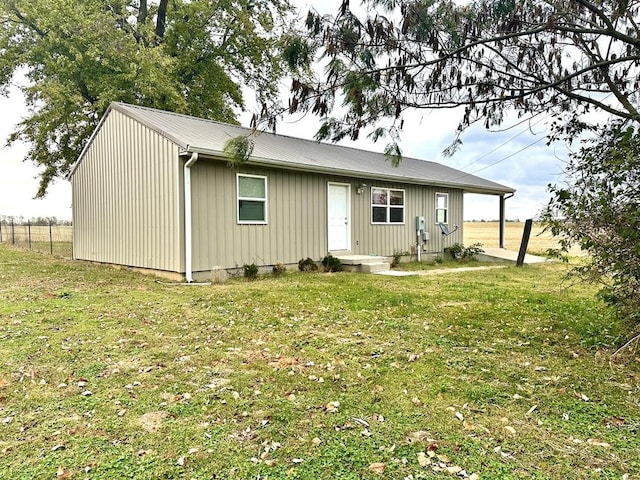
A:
{"x": 41, "y": 221}
{"x": 513, "y": 220}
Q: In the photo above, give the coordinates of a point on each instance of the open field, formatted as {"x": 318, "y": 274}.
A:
{"x": 39, "y": 238}
{"x": 487, "y": 233}
{"x": 39, "y": 233}
{"x": 502, "y": 373}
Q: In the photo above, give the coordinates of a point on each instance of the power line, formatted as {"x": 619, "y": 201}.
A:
{"x": 509, "y": 156}
{"x": 504, "y": 143}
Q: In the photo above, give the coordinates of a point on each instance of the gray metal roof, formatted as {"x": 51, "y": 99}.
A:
{"x": 208, "y": 138}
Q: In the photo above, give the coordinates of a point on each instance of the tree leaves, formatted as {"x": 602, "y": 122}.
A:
{"x": 598, "y": 210}
{"x": 490, "y": 57}
{"x": 238, "y": 150}
{"x": 80, "y": 57}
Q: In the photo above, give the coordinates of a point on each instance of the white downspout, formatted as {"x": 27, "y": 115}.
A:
{"x": 188, "y": 235}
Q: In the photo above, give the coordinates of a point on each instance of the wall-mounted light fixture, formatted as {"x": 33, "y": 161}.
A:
{"x": 360, "y": 188}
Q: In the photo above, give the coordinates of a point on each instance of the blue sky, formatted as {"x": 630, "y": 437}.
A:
{"x": 425, "y": 136}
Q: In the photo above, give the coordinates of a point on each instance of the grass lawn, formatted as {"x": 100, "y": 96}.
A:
{"x": 503, "y": 373}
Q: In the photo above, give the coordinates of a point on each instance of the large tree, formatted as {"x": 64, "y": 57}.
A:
{"x": 185, "y": 56}
{"x": 598, "y": 209}
{"x": 490, "y": 57}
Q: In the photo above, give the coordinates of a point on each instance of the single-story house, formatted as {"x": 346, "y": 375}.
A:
{"x": 154, "y": 190}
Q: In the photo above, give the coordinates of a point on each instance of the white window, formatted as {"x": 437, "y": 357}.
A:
{"x": 387, "y": 205}
{"x": 442, "y": 208}
{"x": 252, "y": 198}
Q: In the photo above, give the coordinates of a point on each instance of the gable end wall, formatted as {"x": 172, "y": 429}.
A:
{"x": 126, "y": 204}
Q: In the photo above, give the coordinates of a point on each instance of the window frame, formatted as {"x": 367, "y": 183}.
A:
{"x": 445, "y": 209}
{"x": 388, "y": 206}
{"x": 264, "y": 200}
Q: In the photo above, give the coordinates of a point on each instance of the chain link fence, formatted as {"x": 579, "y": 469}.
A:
{"x": 47, "y": 237}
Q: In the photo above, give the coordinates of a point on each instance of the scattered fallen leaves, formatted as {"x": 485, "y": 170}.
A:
{"x": 510, "y": 429}
{"x": 361, "y": 421}
{"x": 596, "y": 442}
{"x": 332, "y": 407}
{"x": 419, "y": 436}
{"x": 378, "y": 468}
{"x": 63, "y": 473}
{"x": 582, "y": 397}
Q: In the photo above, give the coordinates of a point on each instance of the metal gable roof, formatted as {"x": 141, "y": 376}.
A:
{"x": 208, "y": 138}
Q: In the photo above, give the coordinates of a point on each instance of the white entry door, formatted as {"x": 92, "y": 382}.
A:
{"x": 339, "y": 217}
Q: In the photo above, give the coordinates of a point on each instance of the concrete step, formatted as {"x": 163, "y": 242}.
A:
{"x": 360, "y": 259}
{"x": 374, "y": 267}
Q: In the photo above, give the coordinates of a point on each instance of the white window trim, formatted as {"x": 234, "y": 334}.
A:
{"x": 253, "y": 199}
{"x": 446, "y": 209}
{"x": 389, "y": 206}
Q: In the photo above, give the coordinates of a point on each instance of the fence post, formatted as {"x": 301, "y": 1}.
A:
{"x": 525, "y": 242}
{"x": 0, "y": 232}
{"x": 29, "y": 233}
{"x": 13, "y": 233}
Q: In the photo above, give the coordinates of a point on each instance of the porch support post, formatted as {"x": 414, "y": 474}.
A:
{"x": 502, "y": 221}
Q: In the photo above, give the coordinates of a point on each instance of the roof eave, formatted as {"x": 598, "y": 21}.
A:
{"x": 467, "y": 188}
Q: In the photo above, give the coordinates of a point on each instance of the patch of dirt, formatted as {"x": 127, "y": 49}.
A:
{"x": 152, "y": 421}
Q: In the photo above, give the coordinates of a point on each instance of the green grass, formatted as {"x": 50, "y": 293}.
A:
{"x": 57, "y": 248}
{"x": 240, "y": 377}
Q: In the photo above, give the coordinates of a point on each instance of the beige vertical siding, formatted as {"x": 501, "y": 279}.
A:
{"x": 126, "y": 205}
{"x": 419, "y": 201}
{"x": 297, "y": 218}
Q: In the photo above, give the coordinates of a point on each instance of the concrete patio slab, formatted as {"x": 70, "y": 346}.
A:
{"x": 507, "y": 256}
